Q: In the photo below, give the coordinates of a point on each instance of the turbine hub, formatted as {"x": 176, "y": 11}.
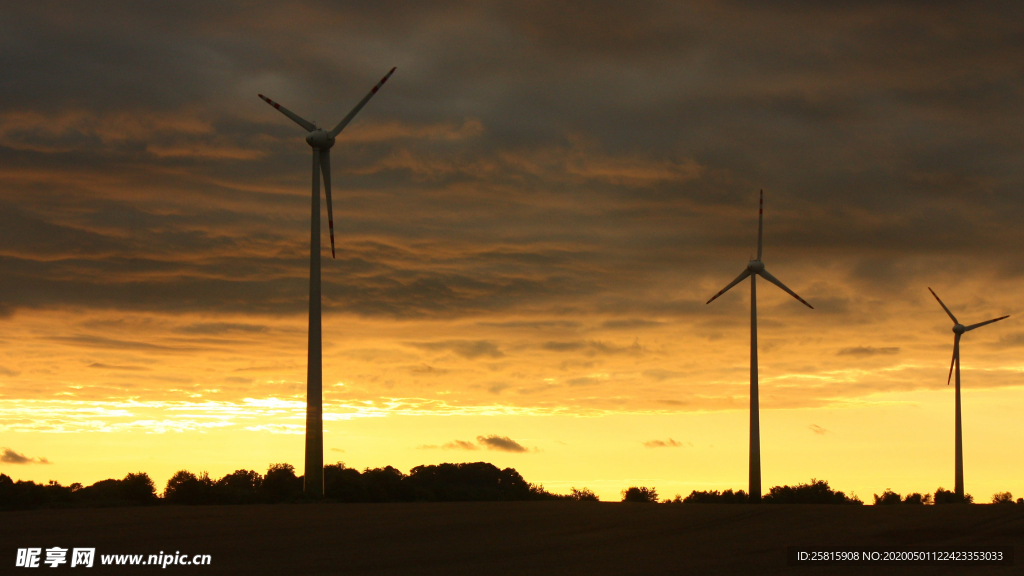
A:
{"x": 755, "y": 266}
{"x": 319, "y": 138}
{"x": 958, "y": 328}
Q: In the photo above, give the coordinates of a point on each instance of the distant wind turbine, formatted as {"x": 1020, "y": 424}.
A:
{"x": 958, "y": 331}
{"x": 321, "y": 141}
{"x": 756, "y": 268}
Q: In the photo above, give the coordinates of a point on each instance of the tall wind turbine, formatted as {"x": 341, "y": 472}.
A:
{"x": 321, "y": 142}
{"x": 754, "y": 269}
{"x": 958, "y": 331}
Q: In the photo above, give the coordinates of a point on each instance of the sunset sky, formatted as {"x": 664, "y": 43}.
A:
{"x": 530, "y": 216}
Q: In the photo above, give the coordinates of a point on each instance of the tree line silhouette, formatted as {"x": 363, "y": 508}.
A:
{"x": 475, "y": 481}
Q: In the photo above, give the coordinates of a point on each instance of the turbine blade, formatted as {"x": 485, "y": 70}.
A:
{"x": 775, "y": 281}
{"x": 738, "y": 279}
{"x": 304, "y": 123}
{"x": 325, "y": 167}
{"x": 955, "y": 321}
{"x": 956, "y": 354}
{"x": 760, "y": 225}
{"x": 344, "y": 121}
{"x": 980, "y": 324}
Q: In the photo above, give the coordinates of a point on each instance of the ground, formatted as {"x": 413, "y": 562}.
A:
{"x": 508, "y": 537}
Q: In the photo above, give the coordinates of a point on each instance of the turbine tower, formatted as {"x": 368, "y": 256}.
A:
{"x": 321, "y": 141}
{"x": 754, "y": 269}
{"x": 958, "y": 331}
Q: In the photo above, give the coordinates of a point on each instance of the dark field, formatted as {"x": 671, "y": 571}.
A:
{"x": 507, "y": 537}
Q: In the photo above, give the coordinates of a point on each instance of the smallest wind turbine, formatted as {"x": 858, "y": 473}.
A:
{"x": 958, "y": 331}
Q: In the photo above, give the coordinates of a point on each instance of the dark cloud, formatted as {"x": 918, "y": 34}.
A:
{"x": 593, "y": 347}
{"x": 453, "y": 445}
{"x": 11, "y": 457}
{"x": 535, "y": 325}
{"x": 117, "y": 367}
{"x": 670, "y": 443}
{"x": 869, "y": 351}
{"x": 536, "y": 169}
{"x": 631, "y": 323}
{"x": 502, "y": 443}
{"x": 427, "y": 369}
{"x": 817, "y": 429}
{"x": 218, "y": 328}
{"x": 1012, "y": 340}
{"x": 469, "y": 349}
{"x": 658, "y": 374}
{"x": 9, "y": 372}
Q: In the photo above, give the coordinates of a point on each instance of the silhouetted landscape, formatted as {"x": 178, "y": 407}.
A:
{"x": 462, "y": 482}
{"x": 540, "y": 537}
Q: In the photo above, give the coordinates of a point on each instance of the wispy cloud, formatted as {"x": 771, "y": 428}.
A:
{"x": 670, "y": 443}
{"x": 502, "y": 443}
{"x": 453, "y": 445}
{"x": 11, "y": 457}
{"x": 869, "y": 351}
{"x": 491, "y": 442}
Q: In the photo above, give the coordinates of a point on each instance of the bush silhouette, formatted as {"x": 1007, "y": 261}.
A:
{"x": 639, "y": 494}
{"x": 582, "y": 495}
{"x": 917, "y": 498}
{"x": 134, "y": 489}
{"x": 889, "y": 497}
{"x": 816, "y": 492}
{"x": 947, "y": 497}
{"x": 716, "y": 497}
{"x": 1002, "y": 498}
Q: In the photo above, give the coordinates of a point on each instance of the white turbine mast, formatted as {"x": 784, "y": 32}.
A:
{"x": 756, "y": 268}
{"x": 958, "y": 331}
{"x": 321, "y": 141}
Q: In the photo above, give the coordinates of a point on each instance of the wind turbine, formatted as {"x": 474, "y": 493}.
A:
{"x": 958, "y": 331}
{"x": 754, "y": 269}
{"x": 321, "y": 141}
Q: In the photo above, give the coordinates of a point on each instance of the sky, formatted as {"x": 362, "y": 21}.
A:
{"x": 530, "y": 216}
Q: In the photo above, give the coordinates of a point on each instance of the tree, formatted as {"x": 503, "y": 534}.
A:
{"x": 640, "y": 494}
{"x": 239, "y": 487}
{"x": 888, "y": 498}
{"x": 948, "y": 497}
{"x": 185, "y": 487}
{"x": 582, "y": 495}
{"x": 385, "y": 485}
{"x": 467, "y": 481}
{"x": 816, "y": 492}
{"x": 1002, "y": 498}
{"x": 917, "y": 498}
{"x": 139, "y": 489}
{"x": 715, "y": 497}
{"x": 343, "y": 484}
{"x": 280, "y": 483}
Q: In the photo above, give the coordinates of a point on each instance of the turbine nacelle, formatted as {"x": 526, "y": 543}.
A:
{"x": 755, "y": 266}
{"x": 320, "y": 138}
{"x": 959, "y": 328}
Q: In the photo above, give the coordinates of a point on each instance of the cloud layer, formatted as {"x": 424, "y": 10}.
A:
{"x": 530, "y": 215}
